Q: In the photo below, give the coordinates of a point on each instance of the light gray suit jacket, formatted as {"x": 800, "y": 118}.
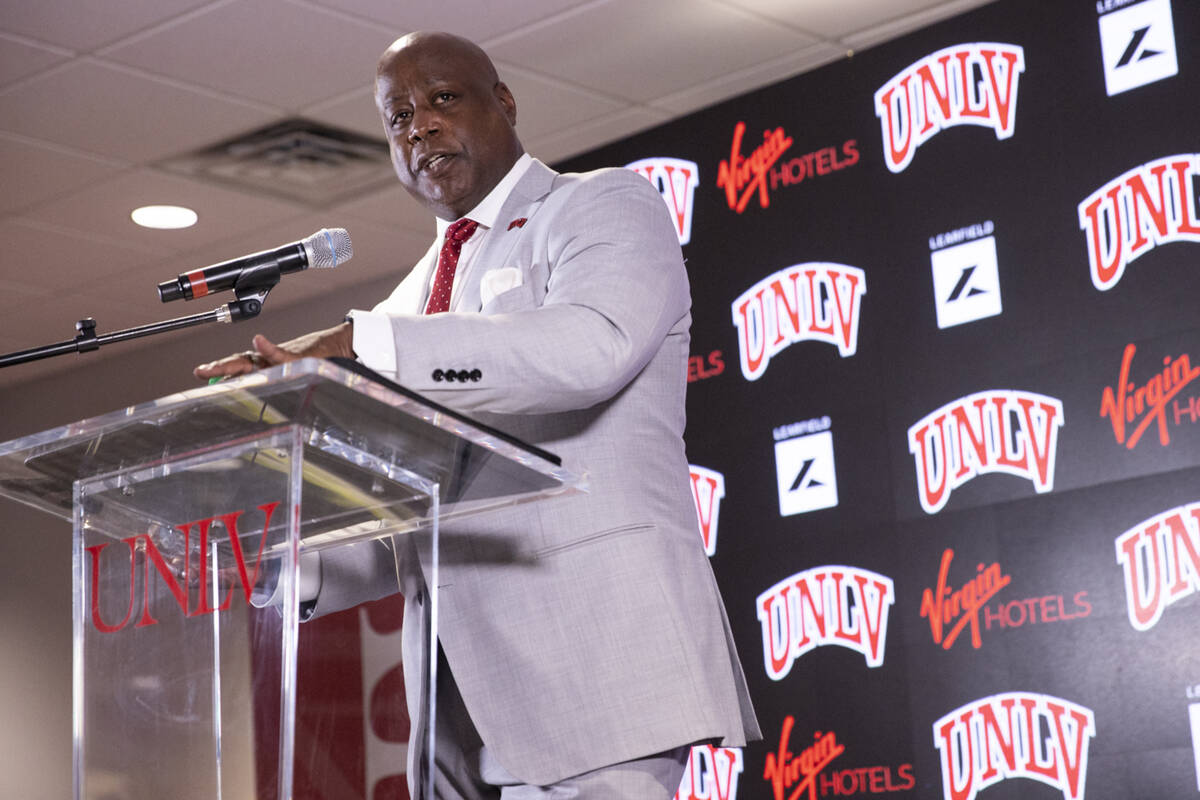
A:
{"x": 586, "y": 630}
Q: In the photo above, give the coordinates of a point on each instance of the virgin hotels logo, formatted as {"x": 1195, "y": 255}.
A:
{"x": 188, "y": 583}
{"x": 815, "y": 301}
{"x": 1160, "y": 559}
{"x": 1001, "y": 430}
{"x": 941, "y": 91}
{"x": 1150, "y": 205}
{"x": 1014, "y": 735}
{"x": 950, "y": 611}
{"x": 832, "y": 605}
{"x": 1132, "y": 408}
{"x": 792, "y": 775}
{"x": 676, "y": 180}
{"x": 708, "y": 488}
{"x": 744, "y": 177}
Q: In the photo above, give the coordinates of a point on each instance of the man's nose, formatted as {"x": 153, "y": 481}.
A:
{"x": 425, "y": 123}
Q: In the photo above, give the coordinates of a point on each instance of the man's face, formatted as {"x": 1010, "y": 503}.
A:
{"x": 448, "y": 123}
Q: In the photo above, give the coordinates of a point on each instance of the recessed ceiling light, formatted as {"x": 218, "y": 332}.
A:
{"x": 164, "y": 217}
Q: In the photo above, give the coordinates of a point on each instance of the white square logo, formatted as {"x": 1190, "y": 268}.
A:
{"x": 1137, "y": 44}
{"x": 966, "y": 282}
{"x": 805, "y": 473}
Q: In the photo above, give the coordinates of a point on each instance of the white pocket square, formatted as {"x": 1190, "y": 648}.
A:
{"x": 498, "y": 281}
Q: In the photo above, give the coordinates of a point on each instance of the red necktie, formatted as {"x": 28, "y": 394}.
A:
{"x": 443, "y": 281}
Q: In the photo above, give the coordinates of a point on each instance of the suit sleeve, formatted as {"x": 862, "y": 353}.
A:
{"x": 617, "y": 287}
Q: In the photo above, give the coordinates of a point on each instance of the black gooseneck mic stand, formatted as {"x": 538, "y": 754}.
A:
{"x": 250, "y": 291}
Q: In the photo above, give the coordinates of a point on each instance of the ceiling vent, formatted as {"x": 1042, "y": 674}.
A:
{"x": 297, "y": 159}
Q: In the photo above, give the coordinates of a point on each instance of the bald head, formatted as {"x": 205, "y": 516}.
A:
{"x": 450, "y": 121}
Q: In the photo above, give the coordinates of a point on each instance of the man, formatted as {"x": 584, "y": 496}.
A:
{"x": 585, "y": 643}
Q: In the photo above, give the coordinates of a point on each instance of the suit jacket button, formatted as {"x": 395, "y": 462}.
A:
{"x": 463, "y": 375}
{"x": 476, "y": 375}
{"x": 437, "y": 376}
{"x": 450, "y": 375}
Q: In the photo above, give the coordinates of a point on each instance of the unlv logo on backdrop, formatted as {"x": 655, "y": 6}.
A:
{"x": 816, "y": 301}
{"x": 708, "y": 488}
{"x": 1137, "y": 44}
{"x": 712, "y": 774}
{"x": 1014, "y": 735}
{"x": 841, "y": 605}
{"x": 1128, "y": 402}
{"x": 1132, "y": 214}
{"x": 743, "y": 178}
{"x": 1160, "y": 559}
{"x": 967, "y": 84}
{"x": 1001, "y": 430}
{"x": 676, "y": 180}
{"x": 194, "y": 572}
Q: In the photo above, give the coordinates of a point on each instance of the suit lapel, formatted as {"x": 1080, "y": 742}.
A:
{"x": 522, "y": 203}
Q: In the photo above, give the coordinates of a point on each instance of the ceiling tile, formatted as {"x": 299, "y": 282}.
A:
{"x": 478, "y": 21}
{"x": 99, "y": 108}
{"x": 103, "y": 210}
{"x": 273, "y": 51}
{"x": 84, "y": 25}
{"x": 580, "y": 139}
{"x": 654, "y": 50}
{"x": 353, "y": 111}
{"x": 20, "y": 58}
{"x": 34, "y": 173}
{"x": 55, "y": 262}
{"x": 392, "y": 207}
{"x": 877, "y": 34}
{"x": 696, "y": 97}
{"x": 546, "y": 106}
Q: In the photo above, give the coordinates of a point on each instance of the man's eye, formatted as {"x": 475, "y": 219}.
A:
{"x": 445, "y": 97}
{"x": 400, "y": 116}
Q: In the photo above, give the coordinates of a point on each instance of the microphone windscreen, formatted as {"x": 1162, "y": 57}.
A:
{"x": 328, "y": 247}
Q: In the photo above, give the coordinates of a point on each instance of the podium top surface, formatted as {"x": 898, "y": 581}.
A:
{"x": 368, "y": 451}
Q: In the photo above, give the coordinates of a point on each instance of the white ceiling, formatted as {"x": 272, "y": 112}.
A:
{"x": 94, "y": 92}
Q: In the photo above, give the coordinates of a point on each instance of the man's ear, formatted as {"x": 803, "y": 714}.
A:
{"x": 500, "y": 90}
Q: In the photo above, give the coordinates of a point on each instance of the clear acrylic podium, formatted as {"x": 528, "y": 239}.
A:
{"x": 189, "y": 509}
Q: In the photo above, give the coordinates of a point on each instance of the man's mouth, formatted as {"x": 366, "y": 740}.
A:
{"x": 435, "y": 162}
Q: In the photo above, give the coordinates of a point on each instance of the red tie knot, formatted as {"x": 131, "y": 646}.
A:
{"x": 461, "y": 230}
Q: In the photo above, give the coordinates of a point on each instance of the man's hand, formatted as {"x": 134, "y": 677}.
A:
{"x": 335, "y": 341}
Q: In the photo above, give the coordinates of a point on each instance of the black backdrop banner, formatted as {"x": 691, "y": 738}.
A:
{"x": 944, "y": 413}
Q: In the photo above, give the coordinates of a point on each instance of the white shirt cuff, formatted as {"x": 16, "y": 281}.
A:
{"x": 374, "y": 342}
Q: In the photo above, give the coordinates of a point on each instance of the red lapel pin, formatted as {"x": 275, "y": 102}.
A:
{"x": 518, "y": 223}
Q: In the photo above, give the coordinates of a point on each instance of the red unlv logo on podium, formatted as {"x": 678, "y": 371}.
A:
{"x": 178, "y": 579}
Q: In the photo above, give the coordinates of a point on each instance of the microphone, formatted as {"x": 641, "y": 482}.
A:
{"x": 326, "y": 248}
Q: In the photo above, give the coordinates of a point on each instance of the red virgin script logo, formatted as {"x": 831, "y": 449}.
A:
{"x": 791, "y": 775}
{"x": 1128, "y": 404}
{"x": 708, "y": 487}
{"x": 195, "y": 572}
{"x": 1149, "y": 205}
{"x": 1001, "y": 430}
{"x": 816, "y": 301}
{"x": 846, "y": 606}
{"x": 941, "y": 91}
{"x": 676, "y": 180}
{"x": 1160, "y": 559}
{"x": 712, "y": 774}
{"x": 950, "y": 611}
{"x": 742, "y": 177}
{"x": 1014, "y": 735}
